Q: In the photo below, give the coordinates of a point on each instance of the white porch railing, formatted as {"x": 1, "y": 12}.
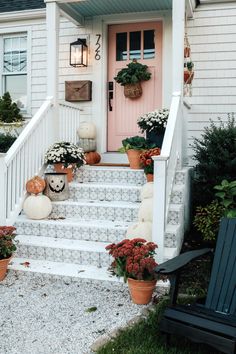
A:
{"x": 164, "y": 171}
{"x": 69, "y": 119}
{"x": 23, "y": 160}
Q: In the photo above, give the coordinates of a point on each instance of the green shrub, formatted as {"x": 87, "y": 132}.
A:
{"x": 134, "y": 72}
{"x": 227, "y": 197}
{"x": 207, "y": 220}
{"x": 9, "y": 111}
{"x": 215, "y": 154}
{"x": 6, "y": 142}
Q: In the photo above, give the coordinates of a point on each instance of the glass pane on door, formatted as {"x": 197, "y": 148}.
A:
{"x": 149, "y": 44}
{"x": 121, "y": 46}
{"x": 135, "y": 45}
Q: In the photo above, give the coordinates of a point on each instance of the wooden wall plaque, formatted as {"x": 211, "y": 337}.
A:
{"x": 76, "y": 91}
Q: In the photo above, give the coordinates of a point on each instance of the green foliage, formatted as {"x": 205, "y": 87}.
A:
{"x": 134, "y": 142}
{"x": 189, "y": 65}
{"x": 207, "y": 219}
{"x": 7, "y": 245}
{"x": 9, "y": 111}
{"x": 227, "y": 196}
{"x": 215, "y": 154}
{"x": 6, "y": 141}
{"x": 134, "y": 73}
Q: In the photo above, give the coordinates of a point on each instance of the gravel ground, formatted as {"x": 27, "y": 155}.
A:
{"x": 41, "y": 315}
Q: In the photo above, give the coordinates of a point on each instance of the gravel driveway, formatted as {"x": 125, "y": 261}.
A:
{"x": 41, "y": 315}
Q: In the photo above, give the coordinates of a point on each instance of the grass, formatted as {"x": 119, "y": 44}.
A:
{"x": 145, "y": 338}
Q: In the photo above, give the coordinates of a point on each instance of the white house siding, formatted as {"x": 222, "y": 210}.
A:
{"x": 211, "y": 34}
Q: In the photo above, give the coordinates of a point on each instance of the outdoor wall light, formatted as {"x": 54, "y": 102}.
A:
{"x": 79, "y": 53}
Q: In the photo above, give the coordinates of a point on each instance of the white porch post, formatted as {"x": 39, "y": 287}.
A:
{"x": 178, "y": 26}
{"x": 52, "y": 25}
{"x": 3, "y": 190}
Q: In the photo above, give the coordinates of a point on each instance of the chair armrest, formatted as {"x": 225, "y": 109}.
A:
{"x": 177, "y": 263}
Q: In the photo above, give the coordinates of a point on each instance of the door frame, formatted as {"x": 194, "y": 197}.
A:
{"x": 100, "y": 24}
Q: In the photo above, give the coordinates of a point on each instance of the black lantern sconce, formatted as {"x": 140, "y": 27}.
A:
{"x": 79, "y": 53}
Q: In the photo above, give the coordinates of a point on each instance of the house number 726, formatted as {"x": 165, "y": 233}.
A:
{"x": 98, "y": 44}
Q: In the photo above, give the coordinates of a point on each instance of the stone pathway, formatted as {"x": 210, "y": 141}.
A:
{"x": 42, "y": 315}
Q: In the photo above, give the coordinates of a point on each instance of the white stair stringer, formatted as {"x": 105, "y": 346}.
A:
{"x": 178, "y": 214}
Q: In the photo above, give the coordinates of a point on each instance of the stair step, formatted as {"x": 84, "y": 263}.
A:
{"x": 112, "y": 175}
{"x": 177, "y": 194}
{"x": 101, "y": 191}
{"x": 63, "y": 270}
{"x": 181, "y": 175}
{"x": 96, "y": 210}
{"x": 172, "y": 235}
{"x": 175, "y": 214}
{"x": 90, "y": 230}
{"x": 63, "y": 250}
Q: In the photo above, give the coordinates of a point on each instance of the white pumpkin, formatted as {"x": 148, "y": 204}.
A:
{"x": 146, "y": 210}
{"x": 140, "y": 230}
{"x": 147, "y": 191}
{"x": 37, "y": 207}
{"x": 87, "y": 130}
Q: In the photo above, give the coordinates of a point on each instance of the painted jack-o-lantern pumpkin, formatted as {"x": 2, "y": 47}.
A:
{"x": 57, "y": 186}
{"x": 87, "y": 130}
{"x": 37, "y": 207}
{"x": 35, "y": 185}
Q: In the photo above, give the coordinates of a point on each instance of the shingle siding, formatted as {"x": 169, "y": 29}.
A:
{"x": 19, "y": 5}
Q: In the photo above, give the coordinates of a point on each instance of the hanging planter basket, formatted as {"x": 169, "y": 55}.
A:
{"x": 133, "y": 90}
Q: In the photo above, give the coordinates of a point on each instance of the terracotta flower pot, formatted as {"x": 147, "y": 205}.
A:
{"x": 149, "y": 177}
{"x": 59, "y": 167}
{"x": 188, "y": 76}
{"x": 141, "y": 290}
{"x": 134, "y": 158}
{"x": 3, "y": 267}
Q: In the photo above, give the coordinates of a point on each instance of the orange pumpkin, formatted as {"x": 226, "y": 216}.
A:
{"x": 92, "y": 157}
{"x": 35, "y": 185}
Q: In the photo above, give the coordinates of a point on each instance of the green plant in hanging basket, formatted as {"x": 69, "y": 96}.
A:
{"x": 131, "y": 77}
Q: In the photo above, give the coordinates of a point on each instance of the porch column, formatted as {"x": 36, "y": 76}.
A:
{"x": 178, "y": 23}
{"x": 52, "y": 27}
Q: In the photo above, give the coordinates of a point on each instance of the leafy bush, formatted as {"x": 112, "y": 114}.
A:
{"x": 6, "y": 141}
{"x": 9, "y": 111}
{"x": 215, "y": 154}
{"x": 207, "y": 219}
{"x": 134, "y": 73}
{"x": 227, "y": 195}
{"x": 134, "y": 142}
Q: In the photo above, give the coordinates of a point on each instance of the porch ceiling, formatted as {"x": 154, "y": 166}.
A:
{"x": 89, "y": 8}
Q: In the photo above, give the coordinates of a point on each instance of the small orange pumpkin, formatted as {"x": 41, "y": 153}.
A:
{"x": 35, "y": 185}
{"x": 92, "y": 157}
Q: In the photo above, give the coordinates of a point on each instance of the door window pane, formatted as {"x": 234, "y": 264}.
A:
{"x": 135, "y": 45}
{"x": 149, "y": 44}
{"x": 121, "y": 46}
{"x": 17, "y": 86}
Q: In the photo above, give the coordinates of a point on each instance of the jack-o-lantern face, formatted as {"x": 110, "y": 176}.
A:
{"x": 56, "y": 184}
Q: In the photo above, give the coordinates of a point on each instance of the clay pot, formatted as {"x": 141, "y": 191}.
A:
{"x": 141, "y": 290}
{"x": 133, "y": 90}
{"x": 134, "y": 158}
{"x": 59, "y": 167}
{"x": 92, "y": 158}
{"x": 188, "y": 76}
{"x": 150, "y": 177}
{"x": 187, "y": 52}
{"x": 3, "y": 267}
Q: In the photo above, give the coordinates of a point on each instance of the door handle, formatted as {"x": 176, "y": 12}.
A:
{"x": 110, "y": 98}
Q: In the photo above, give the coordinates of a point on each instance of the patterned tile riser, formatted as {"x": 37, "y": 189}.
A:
{"x": 174, "y": 217}
{"x": 170, "y": 240}
{"x": 128, "y": 177}
{"x": 180, "y": 177}
{"x": 177, "y": 197}
{"x": 102, "y": 193}
{"x": 71, "y": 232}
{"x": 95, "y": 212}
{"x": 98, "y": 259}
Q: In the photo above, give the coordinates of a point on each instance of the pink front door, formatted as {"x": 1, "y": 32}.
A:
{"x": 143, "y": 42}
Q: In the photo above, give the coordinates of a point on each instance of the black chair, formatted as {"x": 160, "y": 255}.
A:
{"x": 213, "y": 323}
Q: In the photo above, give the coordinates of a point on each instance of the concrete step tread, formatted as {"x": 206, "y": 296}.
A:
{"x": 114, "y": 203}
{"x": 104, "y": 185}
{"x": 172, "y": 229}
{"x": 60, "y": 269}
{"x": 69, "y": 244}
{"x": 111, "y": 168}
{"x": 175, "y": 207}
{"x": 76, "y": 222}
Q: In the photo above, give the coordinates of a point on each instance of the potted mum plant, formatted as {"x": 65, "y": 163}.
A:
{"x": 154, "y": 125}
{"x": 134, "y": 260}
{"x": 148, "y": 163}
{"x": 7, "y": 247}
{"x": 131, "y": 78}
{"x": 134, "y": 146}
{"x": 66, "y": 157}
